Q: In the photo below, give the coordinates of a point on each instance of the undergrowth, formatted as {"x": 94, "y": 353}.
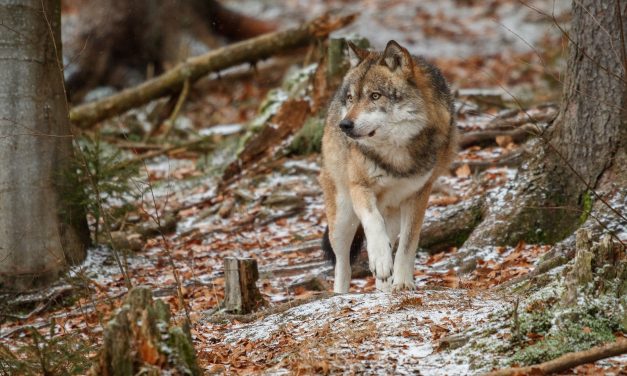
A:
{"x": 105, "y": 185}
{"x": 47, "y": 355}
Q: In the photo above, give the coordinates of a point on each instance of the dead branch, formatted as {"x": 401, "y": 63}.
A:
{"x": 155, "y": 153}
{"x": 568, "y": 361}
{"x": 195, "y": 68}
{"x": 514, "y": 118}
{"x": 512, "y": 159}
{"x": 488, "y": 136}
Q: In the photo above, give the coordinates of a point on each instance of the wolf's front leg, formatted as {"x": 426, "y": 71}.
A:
{"x": 341, "y": 233}
{"x": 379, "y": 246}
{"x": 412, "y": 215}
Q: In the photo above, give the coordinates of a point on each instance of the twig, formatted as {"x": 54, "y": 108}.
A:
{"x": 169, "y": 124}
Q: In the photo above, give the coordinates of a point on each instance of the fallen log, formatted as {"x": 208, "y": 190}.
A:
{"x": 452, "y": 226}
{"x": 568, "y": 361}
{"x": 172, "y": 81}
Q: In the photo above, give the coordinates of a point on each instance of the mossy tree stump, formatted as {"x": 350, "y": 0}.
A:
{"x": 140, "y": 339}
{"x": 599, "y": 268}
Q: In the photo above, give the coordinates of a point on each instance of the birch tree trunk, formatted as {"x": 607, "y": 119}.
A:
{"x": 40, "y": 234}
{"x": 584, "y": 149}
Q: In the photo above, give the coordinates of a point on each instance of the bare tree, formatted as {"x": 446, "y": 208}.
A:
{"x": 40, "y": 231}
{"x": 579, "y": 163}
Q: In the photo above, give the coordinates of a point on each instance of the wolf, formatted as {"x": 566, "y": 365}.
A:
{"x": 388, "y": 135}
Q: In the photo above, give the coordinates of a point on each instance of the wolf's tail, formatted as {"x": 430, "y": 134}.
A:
{"x": 358, "y": 240}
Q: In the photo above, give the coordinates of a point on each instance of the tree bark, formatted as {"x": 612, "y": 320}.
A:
{"x": 552, "y": 195}
{"x": 40, "y": 233}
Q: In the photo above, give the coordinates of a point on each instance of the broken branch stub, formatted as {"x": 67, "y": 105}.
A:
{"x": 241, "y": 294}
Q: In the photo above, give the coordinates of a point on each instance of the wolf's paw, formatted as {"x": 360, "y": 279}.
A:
{"x": 403, "y": 286}
{"x": 384, "y": 285}
{"x": 403, "y": 280}
{"x": 380, "y": 258}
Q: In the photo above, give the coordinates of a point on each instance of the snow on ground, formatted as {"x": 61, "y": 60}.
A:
{"x": 374, "y": 333}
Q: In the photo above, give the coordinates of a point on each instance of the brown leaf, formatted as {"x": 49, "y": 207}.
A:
{"x": 463, "y": 171}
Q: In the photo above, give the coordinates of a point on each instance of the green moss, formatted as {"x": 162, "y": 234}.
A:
{"x": 309, "y": 138}
{"x": 181, "y": 343}
{"x": 586, "y": 207}
{"x": 587, "y": 331}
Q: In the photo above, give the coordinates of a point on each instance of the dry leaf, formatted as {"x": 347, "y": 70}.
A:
{"x": 463, "y": 171}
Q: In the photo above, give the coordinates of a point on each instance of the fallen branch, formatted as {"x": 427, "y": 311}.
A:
{"x": 512, "y": 159}
{"x": 489, "y": 136}
{"x": 195, "y": 68}
{"x": 155, "y": 153}
{"x": 514, "y": 118}
{"x": 568, "y": 361}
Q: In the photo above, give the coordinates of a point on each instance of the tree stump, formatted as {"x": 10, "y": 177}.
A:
{"x": 241, "y": 294}
{"x": 140, "y": 339}
{"x": 599, "y": 268}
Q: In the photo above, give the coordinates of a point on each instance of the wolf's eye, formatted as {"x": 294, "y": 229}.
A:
{"x": 375, "y": 96}
{"x": 349, "y": 98}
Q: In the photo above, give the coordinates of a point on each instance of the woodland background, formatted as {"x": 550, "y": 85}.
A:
{"x": 143, "y": 143}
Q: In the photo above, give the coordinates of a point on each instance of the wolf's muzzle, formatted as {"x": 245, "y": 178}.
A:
{"x": 347, "y": 125}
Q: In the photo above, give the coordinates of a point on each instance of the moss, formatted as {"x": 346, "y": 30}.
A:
{"x": 586, "y": 207}
{"x": 181, "y": 344}
{"x": 309, "y": 138}
{"x": 588, "y": 331}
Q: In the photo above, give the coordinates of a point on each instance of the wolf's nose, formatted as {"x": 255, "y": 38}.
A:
{"x": 347, "y": 125}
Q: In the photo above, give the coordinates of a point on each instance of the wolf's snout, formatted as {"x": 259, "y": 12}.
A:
{"x": 347, "y": 125}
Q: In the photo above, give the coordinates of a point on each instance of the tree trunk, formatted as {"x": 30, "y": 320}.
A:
{"x": 40, "y": 234}
{"x": 118, "y": 40}
{"x": 552, "y": 195}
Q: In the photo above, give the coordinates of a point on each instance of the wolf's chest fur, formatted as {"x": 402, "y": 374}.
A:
{"x": 390, "y": 190}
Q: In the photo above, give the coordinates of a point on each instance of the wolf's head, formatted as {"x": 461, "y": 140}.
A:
{"x": 382, "y": 102}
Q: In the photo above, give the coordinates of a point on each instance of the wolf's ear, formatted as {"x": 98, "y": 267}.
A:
{"x": 395, "y": 56}
{"x": 355, "y": 54}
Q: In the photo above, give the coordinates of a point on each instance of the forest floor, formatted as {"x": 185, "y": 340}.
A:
{"x": 274, "y": 213}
